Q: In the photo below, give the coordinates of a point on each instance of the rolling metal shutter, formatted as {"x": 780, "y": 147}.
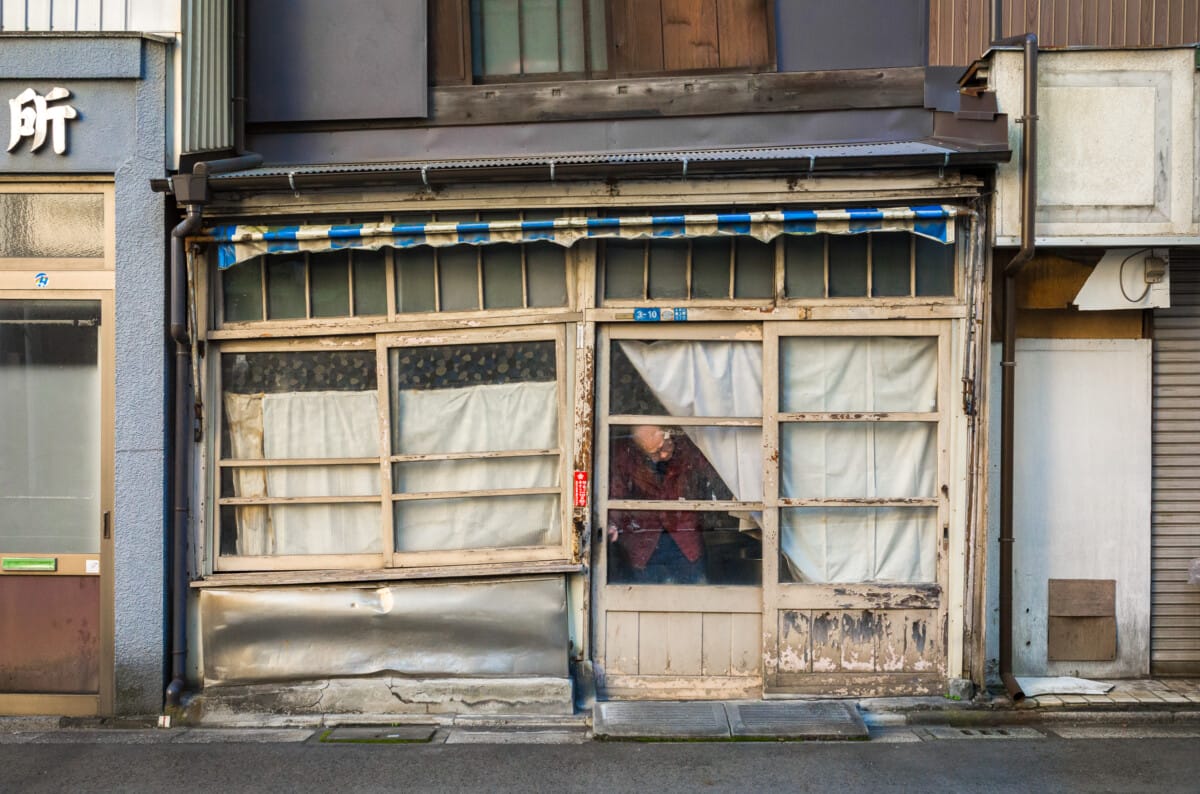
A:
{"x": 1175, "y": 604}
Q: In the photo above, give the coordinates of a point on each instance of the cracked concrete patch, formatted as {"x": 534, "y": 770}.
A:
{"x": 244, "y": 735}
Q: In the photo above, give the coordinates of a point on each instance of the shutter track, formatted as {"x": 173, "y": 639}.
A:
{"x": 1175, "y": 517}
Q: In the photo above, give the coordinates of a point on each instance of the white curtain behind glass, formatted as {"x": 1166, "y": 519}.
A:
{"x": 302, "y": 425}
{"x": 701, "y": 378}
{"x": 858, "y": 459}
{"x": 487, "y": 418}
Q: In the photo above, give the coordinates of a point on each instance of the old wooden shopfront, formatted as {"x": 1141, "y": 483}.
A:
{"x": 479, "y": 447}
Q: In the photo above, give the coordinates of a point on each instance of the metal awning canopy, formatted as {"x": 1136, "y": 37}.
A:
{"x": 235, "y": 243}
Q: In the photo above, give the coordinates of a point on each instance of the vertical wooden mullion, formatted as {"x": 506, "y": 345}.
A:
{"x": 912, "y": 265}
{"x": 350, "y": 280}
{"x": 586, "y": 10}
{"x": 646, "y": 270}
{"x": 479, "y": 277}
{"x": 600, "y": 489}
{"x": 307, "y": 286}
{"x": 771, "y": 518}
{"x": 521, "y": 33}
{"x": 780, "y": 270}
{"x": 688, "y": 272}
{"x": 389, "y": 275}
{"x": 870, "y": 266}
{"x": 825, "y": 254}
{"x": 558, "y": 39}
{"x": 525, "y": 271}
{"x": 383, "y": 390}
{"x": 732, "y": 267}
{"x": 262, "y": 276}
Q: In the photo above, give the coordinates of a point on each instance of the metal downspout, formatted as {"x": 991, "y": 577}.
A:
{"x": 1008, "y": 362}
{"x": 191, "y": 192}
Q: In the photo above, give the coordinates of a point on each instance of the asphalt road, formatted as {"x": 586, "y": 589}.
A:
{"x": 1040, "y": 764}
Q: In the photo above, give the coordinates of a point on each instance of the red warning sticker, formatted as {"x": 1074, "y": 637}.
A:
{"x": 581, "y": 488}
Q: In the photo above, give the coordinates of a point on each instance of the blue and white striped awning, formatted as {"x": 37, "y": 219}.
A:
{"x": 240, "y": 243}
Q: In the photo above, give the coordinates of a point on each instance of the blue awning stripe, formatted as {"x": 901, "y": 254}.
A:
{"x": 241, "y": 243}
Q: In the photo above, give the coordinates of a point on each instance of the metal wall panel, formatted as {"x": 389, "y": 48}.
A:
{"x": 960, "y": 30}
{"x": 207, "y": 83}
{"x": 497, "y": 628}
{"x": 152, "y": 16}
{"x": 1175, "y": 604}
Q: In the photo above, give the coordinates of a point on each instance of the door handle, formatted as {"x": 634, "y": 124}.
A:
{"x": 106, "y": 525}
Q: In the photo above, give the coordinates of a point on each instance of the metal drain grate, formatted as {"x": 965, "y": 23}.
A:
{"x": 661, "y": 720}
{"x": 1013, "y": 732}
{"x": 797, "y": 720}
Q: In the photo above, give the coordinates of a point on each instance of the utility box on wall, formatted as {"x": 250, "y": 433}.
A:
{"x": 1081, "y": 623}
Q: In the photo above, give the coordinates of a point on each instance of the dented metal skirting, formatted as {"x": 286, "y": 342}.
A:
{"x": 511, "y": 627}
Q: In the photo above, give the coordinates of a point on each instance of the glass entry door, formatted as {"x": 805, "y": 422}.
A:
{"x": 857, "y": 507}
{"x": 55, "y": 501}
{"x": 679, "y": 501}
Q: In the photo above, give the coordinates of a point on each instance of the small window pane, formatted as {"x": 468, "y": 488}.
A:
{"x": 477, "y": 523}
{"x": 848, "y": 266}
{"x": 242, "y": 289}
{"x": 890, "y": 255}
{"x": 458, "y": 270}
{"x": 668, "y": 269}
{"x": 858, "y": 544}
{"x": 678, "y": 547}
{"x": 754, "y": 269}
{"x": 685, "y": 378}
{"x": 571, "y": 32}
{"x": 330, "y": 284}
{"x": 935, "y": 268}
{"x": 495, "y": 36}
{"x": 624, "y": 269}
{"x": 804, "y": 266}
{"x": 710, "y": 267}
{"x": 547, "y": 274}
{"x": 596, "y": 29}
{"x": 876, "y": 373}
{"x": 502, "y": 277}
{"x": 428, "y": 476}
{"x": 539, "y": 36}
{"x": 43, "y": 225}
{"x": 832, "y": 460}
{"x": 414, "y": 280}
{"x": 370, "y": 282}
{"x": 285, "y": 288}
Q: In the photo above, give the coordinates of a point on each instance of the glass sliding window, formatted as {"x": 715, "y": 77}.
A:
{"x": 51, "y": 225}
{"x": 514, "y": 38}
{"x": 684, "y": 445}
{"x": 858, "y": 459}
{"x": 476, "y": 444}
{"x": 299, "y": 469}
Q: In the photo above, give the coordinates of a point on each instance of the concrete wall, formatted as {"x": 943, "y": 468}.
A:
{"x": 1081, "y": 494}
{"x": 118, "y": 87}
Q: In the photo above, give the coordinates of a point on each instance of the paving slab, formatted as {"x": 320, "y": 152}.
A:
{"x": 381, "y": 734}
{"x": 1127, "y": 731}
{"x": 661, "y": 720}
{"x": 517, "y": 736}
{"x": 818, "y": 720}
{"x": 243, "y": 735}
{"x": 107, "y": 736}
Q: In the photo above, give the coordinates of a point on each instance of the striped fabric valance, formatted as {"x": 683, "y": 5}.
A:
{"x": 240, "y": 243}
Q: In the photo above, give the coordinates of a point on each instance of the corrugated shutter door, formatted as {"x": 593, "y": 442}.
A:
{"x": 1175, "y": 604}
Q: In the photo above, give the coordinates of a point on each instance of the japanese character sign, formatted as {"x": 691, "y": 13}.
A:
{"x": 32, "y": 113}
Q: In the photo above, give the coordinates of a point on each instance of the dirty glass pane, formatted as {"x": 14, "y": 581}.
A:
{"x": 858, "y": 544}
{"x": 458, "y": 273}
{"x": 474, "y": 397}
{"x": 624, "y": 269}
{"x": 241, "y": 287}
{"x": 502, "y": 288}
{"x": 539, "y": 36}
{"x": 710, "y": 267}
{"x": 754, "y": 269}
{"x": 834, "y": 460}
{"x": 478, "y": 522}
{"x": 40, "y": 225}
{"x": 880, "y": 373}
{"x": 286, "y": 296}
{"x": 370, "y": 282}
{"x": 414, "y": 280}
{"x": 682, "y": 547}
{"x": 663, "y": 461}
{"x": 50, "y": 432}
{"x": 330, "y": 283}
{"x": 597, "y": 30}
{"x": 495, "y": 37}
{"x": 427, "y": 476}
{"x": 935, "y": 268}
{"x": 546, "y": 266}
{"x": 300, "y": 406}
{"x": 668, "y": 268}
{"x": 571, "y": 31}
{"x": 890, "y": 257}
{"x": 804, "y": 266}
{"x": 685, "y": 377}
{"x": 848, "y": 266}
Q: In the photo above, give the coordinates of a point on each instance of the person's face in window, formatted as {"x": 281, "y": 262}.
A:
{"x": 654, "y": 442}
